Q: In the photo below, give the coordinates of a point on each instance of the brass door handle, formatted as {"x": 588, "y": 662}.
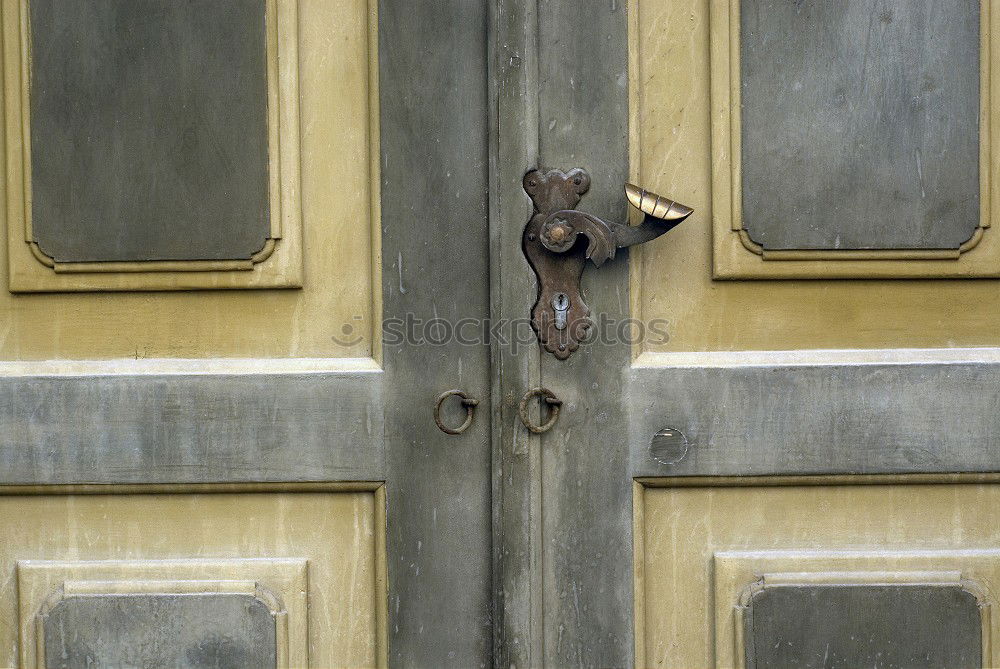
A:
{"x": 553, "y": 243}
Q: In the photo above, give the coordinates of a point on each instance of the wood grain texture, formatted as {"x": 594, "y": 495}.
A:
{"x": 435, "y": 261}
{"x": 517, "y": 453}
{"x": 860, "y": 123}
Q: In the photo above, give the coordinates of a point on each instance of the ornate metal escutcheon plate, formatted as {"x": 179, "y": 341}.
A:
{"x": 558, "y": 240}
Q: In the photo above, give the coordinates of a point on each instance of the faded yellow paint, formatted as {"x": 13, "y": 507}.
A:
{"x": 338, "y": 140}
{"x": 338, "y": 533}
{"x": 698, "y": 548}
{"x": 277, "y": 265}
{"x": 671, "y": 147}
{"x": 734, "y": 252}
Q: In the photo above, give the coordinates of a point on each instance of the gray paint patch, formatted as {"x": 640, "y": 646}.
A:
{"x": 149, "y": 135}
{"x": 201, "y": 428}
{"x": 838, "y": 418}
{"x": 885, "y": 626}
{"x": 163, "y": 631}
{"x": 860, "y": 123}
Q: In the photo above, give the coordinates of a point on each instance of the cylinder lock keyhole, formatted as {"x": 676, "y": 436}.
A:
{"x": 560, "y": 304}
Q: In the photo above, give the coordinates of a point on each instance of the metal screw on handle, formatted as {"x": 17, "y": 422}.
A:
{"x": 548, "y": 397}
{"x": 470, "y": 405}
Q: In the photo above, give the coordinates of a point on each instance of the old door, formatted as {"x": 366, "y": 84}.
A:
{"x": 788, "y": 457}
{"x": 207, "y": 457}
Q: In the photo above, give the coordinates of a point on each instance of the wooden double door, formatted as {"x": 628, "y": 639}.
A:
{"x": 266, "y": 257}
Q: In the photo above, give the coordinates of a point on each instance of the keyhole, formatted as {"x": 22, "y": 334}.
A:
{"x": 560, "y": 303}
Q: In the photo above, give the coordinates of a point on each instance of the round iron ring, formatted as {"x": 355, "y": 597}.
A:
{"x": 470, "y": 405}
{"x": 548, "y": 397}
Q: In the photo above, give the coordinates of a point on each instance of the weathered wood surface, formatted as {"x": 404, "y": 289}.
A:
{"x": 517, "y": 454}
{"x": 199, "y": 630}
{"x": 586, "y": 518}
{"x": 911, "y": 626}
{"x": 435, "y": 264}
{"x": 135, "y": 429}
{"x": 833, "y": 418}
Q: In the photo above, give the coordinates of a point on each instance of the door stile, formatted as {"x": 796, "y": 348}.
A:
{"x": 584, "y": 116}
{"x": 517, "y": 498}
{"x": 563, "y": 571}
{"x": 435, "y": 258}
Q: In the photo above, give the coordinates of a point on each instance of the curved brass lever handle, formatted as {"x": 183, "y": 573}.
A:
{"x": 561, "y": 229}
{"x": 551, "y": 243}
{"x": 661, "y": 216}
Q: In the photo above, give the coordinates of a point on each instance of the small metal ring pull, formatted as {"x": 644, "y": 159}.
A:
{"x": 548, "y": 397}
{"x": 470, "y": 405}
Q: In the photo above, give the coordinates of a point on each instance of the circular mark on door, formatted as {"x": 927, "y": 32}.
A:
{"x": 669, "y": 446}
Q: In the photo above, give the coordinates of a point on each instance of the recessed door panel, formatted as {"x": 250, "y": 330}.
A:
{"x": 859, "y": 124}
{"x": 149, "y": 130}
{"x": 185, "y": 149}
{"x": 197, "y": 580}
{"x": 688, "y": 140}
{"x": 802, "y": 575}
{"x": 160, "y": 629}
{"x": 838, "y": 623}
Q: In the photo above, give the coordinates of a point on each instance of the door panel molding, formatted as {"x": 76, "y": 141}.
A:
{"x": 875, "y": 412}
{"x": 221, "y": 540}
{"x": 737, "y": 256}
{"x": 942, "y": 535}
{"x": 43, "y": 586}
{"x": 943, "y": 601}
{"x": 278, "y": 264}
